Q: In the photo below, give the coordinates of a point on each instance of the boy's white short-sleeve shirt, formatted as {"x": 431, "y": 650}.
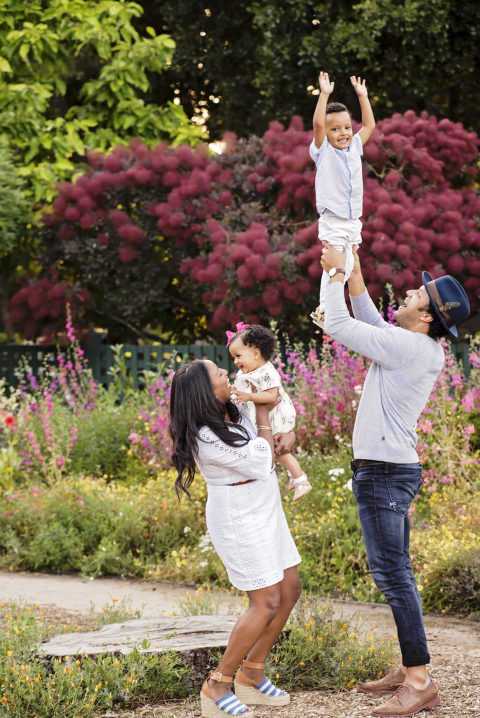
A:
{"x": 338, "y": 180}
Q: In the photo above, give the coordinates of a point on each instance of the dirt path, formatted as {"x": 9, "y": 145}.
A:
{"x": 454, "y": 642}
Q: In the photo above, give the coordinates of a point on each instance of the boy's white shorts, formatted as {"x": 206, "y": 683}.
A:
{"x": 339, "y": 231}
{"x": 342, "y": 234}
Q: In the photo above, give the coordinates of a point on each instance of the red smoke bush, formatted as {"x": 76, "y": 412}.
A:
{"x": 168, "y": 236}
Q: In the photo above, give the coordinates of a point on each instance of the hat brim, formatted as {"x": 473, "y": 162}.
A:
{"x": 452, "y": 331}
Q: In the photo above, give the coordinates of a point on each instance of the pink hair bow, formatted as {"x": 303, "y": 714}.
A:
{"x": 239, "y": 327}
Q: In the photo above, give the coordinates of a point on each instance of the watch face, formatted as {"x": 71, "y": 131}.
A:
{"x": 332, "y": 272}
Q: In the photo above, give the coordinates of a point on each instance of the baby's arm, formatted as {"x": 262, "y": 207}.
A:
{"x": 259, "y": 397}
{"x": 326, "y": 88}
{"x": 368, "y": 120}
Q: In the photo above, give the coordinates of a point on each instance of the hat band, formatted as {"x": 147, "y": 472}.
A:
{"x": 442, "y": 307}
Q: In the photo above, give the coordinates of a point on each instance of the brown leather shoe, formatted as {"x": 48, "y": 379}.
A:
{"x": 407, "y": 701}
{"x": 387, "y": 684}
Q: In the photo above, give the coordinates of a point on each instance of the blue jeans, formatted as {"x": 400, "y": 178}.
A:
{"x": 384, "y": 492}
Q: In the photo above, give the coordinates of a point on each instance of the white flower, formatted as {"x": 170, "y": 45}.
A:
{"x": 348, "y": 485}
{"x": 187, "y": 529}
{"x": 336, "y": 472}
{"x": 203, "y": 563}
{"x": 357, "y": 389}
{"x": 205, "y": 543}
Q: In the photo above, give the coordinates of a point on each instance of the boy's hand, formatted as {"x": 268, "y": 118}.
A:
{"x": 359, "y": 86}
{"x": 326, "y": 87}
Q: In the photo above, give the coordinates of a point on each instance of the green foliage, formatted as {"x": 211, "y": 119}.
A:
{"x": 75, "y": 75}
{"x": 117, "y": 611}
{"x": 95, "y": 528}
{"x": 320, "y": 651}
{"x": 260, "y": 61}
{"x": 69, "y": 687}
{"x": 455, "y": 582}
{"x": 101, "y": 448}
{"x": 14, "y": 207}
{"x": 317, "y": 649}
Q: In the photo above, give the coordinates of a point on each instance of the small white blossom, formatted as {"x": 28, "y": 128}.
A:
{"x": 205, "y": 543}
{"x": 336, "y": 472}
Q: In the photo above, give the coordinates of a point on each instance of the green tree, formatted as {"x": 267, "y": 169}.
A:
{"x": 15, "y": 218}
{"x": 258, "y": 60}
{"x": 415, "y": 55}
{"x": 74, "y": 75}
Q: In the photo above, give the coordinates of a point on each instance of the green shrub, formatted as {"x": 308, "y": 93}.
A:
{"x": 101, "y": 448}
{"x": 455, "y": 583}
{"x": 76, "y": 687}
{"x": 95, "y": 528}
{"x": 320, "y": 651}
{"x": 316, "y": 650}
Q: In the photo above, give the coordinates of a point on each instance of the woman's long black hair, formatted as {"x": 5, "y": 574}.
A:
{"x": 192, "y": 405}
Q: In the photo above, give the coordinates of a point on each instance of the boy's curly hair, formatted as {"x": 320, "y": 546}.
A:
{"x": 259, "y": 337}
{"x": 336, "y": 107}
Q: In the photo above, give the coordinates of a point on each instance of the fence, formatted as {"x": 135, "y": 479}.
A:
{"x": 100, "y": 358}
{"x": 138, "y": 359}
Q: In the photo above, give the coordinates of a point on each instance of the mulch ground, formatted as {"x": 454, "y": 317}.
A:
{"x": 454, "y": 647}
{"x": 457, "y": 677}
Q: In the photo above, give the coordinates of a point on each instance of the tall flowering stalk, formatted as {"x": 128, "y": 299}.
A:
{"x": 50, "y": 412}
{"x": 325, "y": 387}
{"x": 153, "y": 448}
{"x": 449, "y": 425}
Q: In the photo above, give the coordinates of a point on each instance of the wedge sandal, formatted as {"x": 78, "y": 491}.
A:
{"x": 228, "y": 705}
{"x": 262, "y": 694}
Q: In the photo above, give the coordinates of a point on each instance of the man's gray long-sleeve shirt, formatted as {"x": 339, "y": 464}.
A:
{"x": 404, "y": 368}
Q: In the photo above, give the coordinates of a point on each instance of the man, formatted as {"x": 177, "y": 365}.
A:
{"x": 406, "y": 361}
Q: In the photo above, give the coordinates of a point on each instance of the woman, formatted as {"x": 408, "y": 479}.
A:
{"x": 246, "y": 524}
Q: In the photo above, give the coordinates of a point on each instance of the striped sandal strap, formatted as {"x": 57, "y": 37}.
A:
{"x": 230, "y": 705}
{"x": 268, "y": 689}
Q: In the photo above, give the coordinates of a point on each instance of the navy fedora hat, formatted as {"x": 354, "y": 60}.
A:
{"x": 449, "y": 301}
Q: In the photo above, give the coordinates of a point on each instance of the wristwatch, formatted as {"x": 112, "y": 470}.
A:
{"x": 336, "y": 270}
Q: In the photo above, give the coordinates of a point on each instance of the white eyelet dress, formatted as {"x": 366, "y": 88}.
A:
{"x": 246, "y": 523}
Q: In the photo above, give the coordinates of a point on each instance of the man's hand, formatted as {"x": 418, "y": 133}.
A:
{"x": 284, "y": 443}
{"x": 326, "y": 87}
{"x": 331, "y": 257}
{"x": 359, "y": 86}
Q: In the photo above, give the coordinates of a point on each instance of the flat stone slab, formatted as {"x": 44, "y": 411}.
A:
{"x": 177, "y": 633}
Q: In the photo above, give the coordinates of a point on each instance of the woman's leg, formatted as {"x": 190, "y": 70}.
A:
{"x": 264, "y": 605}
{"x": 290, "y": 591}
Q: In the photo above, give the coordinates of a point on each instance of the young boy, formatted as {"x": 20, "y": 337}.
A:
{"x": 337, "y": 154}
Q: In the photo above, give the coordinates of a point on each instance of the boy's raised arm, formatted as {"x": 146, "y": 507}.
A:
{"x": 326, "y": 89}
{"x": 368, "y": 120}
